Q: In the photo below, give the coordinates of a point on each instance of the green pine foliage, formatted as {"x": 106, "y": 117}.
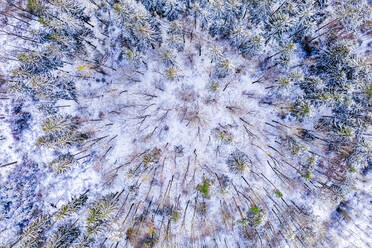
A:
{"x": 34, "y": 234}
{"x": 100, "y": 213}
{"x": 64, "y": 236}
{"x": 73, "y": 206}
{"x": 60, "y": 131}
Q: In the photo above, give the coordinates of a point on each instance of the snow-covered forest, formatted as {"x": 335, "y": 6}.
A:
{"x": 185, "y": 123}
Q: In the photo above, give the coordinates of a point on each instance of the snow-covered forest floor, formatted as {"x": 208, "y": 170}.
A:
{"x": 185, "y": 123}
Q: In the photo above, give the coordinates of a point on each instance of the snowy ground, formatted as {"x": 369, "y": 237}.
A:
{"x": 163, "y": 130}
